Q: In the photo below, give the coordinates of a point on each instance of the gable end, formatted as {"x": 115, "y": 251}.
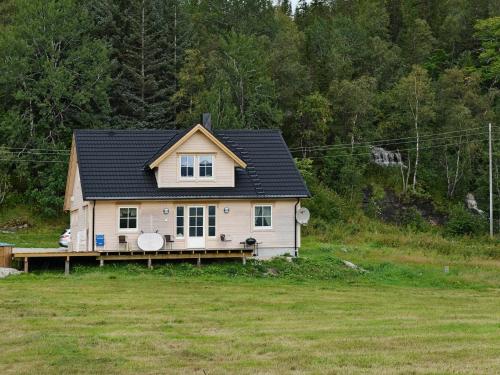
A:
{"x": 188, "y": 135}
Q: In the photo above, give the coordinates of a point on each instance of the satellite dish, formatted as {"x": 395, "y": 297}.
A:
{"x": 302, "y": 216}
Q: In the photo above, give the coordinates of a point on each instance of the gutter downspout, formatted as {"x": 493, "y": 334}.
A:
{"x": 295, "y": 228}
{"x": 93, "y": 226}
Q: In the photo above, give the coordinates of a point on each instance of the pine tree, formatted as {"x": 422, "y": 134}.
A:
{"x": 148, "y": 39}
{"x": 286, "y": 7}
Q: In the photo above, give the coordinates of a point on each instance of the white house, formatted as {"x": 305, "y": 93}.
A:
{"x": 197, "y": 188}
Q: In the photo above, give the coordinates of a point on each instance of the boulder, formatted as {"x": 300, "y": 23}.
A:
{"x": 353, "y": 266}
{"x": 4, "y": 272}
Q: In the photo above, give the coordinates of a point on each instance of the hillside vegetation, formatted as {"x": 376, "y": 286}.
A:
{"x": 417, "y": 80}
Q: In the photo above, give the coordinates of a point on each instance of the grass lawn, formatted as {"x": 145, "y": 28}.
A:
{"x": 312, "y": 316}
{"x": 41, "y": 232}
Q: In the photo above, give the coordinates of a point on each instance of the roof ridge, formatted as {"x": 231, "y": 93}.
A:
{"x": 248, "y": 130}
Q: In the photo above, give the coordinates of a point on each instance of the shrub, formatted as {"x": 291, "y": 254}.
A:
{"x": 463, "y": 222}
{"x": 326, "y": 204}
{"x": 412, "y": 219}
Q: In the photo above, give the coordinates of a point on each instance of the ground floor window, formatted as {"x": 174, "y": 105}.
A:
{"x": 180, "y": 222}
{"x": 211, "y": 221}
{"x": 263, "y": 216}
{"x": 128, "y": 218}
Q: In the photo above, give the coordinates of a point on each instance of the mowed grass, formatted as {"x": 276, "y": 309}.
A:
{"x": 312, "y": 316}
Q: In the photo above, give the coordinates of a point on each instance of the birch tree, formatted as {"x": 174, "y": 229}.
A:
{"x": 462, "y": 109}
{"x": 413, "y": 109}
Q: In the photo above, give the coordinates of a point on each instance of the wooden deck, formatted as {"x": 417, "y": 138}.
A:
{"x": 118, "y": 255}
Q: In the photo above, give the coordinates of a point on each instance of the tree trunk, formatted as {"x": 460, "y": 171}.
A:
{"x": 457, "y": 174}
{"x": 143, "y": 78}
{"x": 175, "y": 64}
{"x": 405, "y": 179}
{"x": 417, "y": 134}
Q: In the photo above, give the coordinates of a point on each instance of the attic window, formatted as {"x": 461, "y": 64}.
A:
{"x": 205, "y": 166}
{"x": 187, "y": 166}
{"x": 196, "y": 167}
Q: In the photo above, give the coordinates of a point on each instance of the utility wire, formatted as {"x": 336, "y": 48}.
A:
{"x": 35, "y": 161}
{"x": 20, "y": 149}
{"x": 354, "y": 146}
{"x": 368, "y": 143}
{"x": 369, "y": 153}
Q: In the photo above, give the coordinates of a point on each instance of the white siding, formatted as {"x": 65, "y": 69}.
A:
{"x": 80, "y": 218}
{"x": 237, "y": 224}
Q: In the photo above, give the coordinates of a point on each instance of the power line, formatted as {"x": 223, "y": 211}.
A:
{"x": 36, "y": 154}
{"x": 368, "y": 143}
{"x": 326, "y": 148}
{"x": 20, "y": 149}
{"x": 369, "y": 153}
{"x": 34, "y": 160}
{"x": 384, "y": 143}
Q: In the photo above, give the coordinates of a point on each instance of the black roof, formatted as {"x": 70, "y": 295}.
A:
{"x": 113, "y": 165}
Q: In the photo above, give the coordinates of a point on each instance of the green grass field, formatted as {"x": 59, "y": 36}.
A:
{"x": 406, "y": 315}
{"x": 41, "y": 232}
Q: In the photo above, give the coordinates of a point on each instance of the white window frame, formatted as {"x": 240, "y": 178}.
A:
{"x": 188, "y": 178}
{"x": 255, "y": 227}
{"x": 208, "y": 220}
{"x": 128, "y": 230}
{"x": 196, "y": 165}
{"x": 183, "y": 222}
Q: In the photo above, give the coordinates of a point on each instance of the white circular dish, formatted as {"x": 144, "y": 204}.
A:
{"x": 302, "y": 216}
{"x": 150, "y": 241}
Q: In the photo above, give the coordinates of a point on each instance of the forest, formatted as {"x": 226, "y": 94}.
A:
{"x": 385, "y": 104}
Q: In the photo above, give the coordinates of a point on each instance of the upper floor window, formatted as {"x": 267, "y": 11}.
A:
{"x": 187, "y": 166}
{"x": 199, "y": 166}
{"x": 263, "y": 217}
{"x": 206, "y": 165}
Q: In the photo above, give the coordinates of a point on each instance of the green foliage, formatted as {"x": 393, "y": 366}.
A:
{"x": 463, "y": 222}
{"x": 306, "y": 169}
{"x": 326, "y": 204}
{"x": 313, "y": 114}
{"x": 353, "y": 107}
{"x": 488, "y": 32}
{"x": 54, "y": 78}
{"x": 418, "y": 41}
{"x": 344, "y": 173}
{"x": 147, "y": 40}
{"x": 413, "y": 220}
{"x": 332, "y": 73}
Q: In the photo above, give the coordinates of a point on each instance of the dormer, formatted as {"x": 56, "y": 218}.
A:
{"x": 196, "y": 158}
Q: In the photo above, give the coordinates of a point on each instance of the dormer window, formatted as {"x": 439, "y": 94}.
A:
{"x": 196, "y": 166}
{"x": 187, "y": 166}
{"x": 206, "y": 166}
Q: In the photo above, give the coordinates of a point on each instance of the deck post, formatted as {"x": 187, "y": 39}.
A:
{"x": 66, "y": 266}
{"x": 26, "y": 264}
{"x": 244, "y": 260}
{"x": 198, "y": 262}
{"x": 101, "y": 262}
{"x": 150, "y": 264}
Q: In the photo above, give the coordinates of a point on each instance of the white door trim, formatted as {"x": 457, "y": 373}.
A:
{"x": 194, "y": 240}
